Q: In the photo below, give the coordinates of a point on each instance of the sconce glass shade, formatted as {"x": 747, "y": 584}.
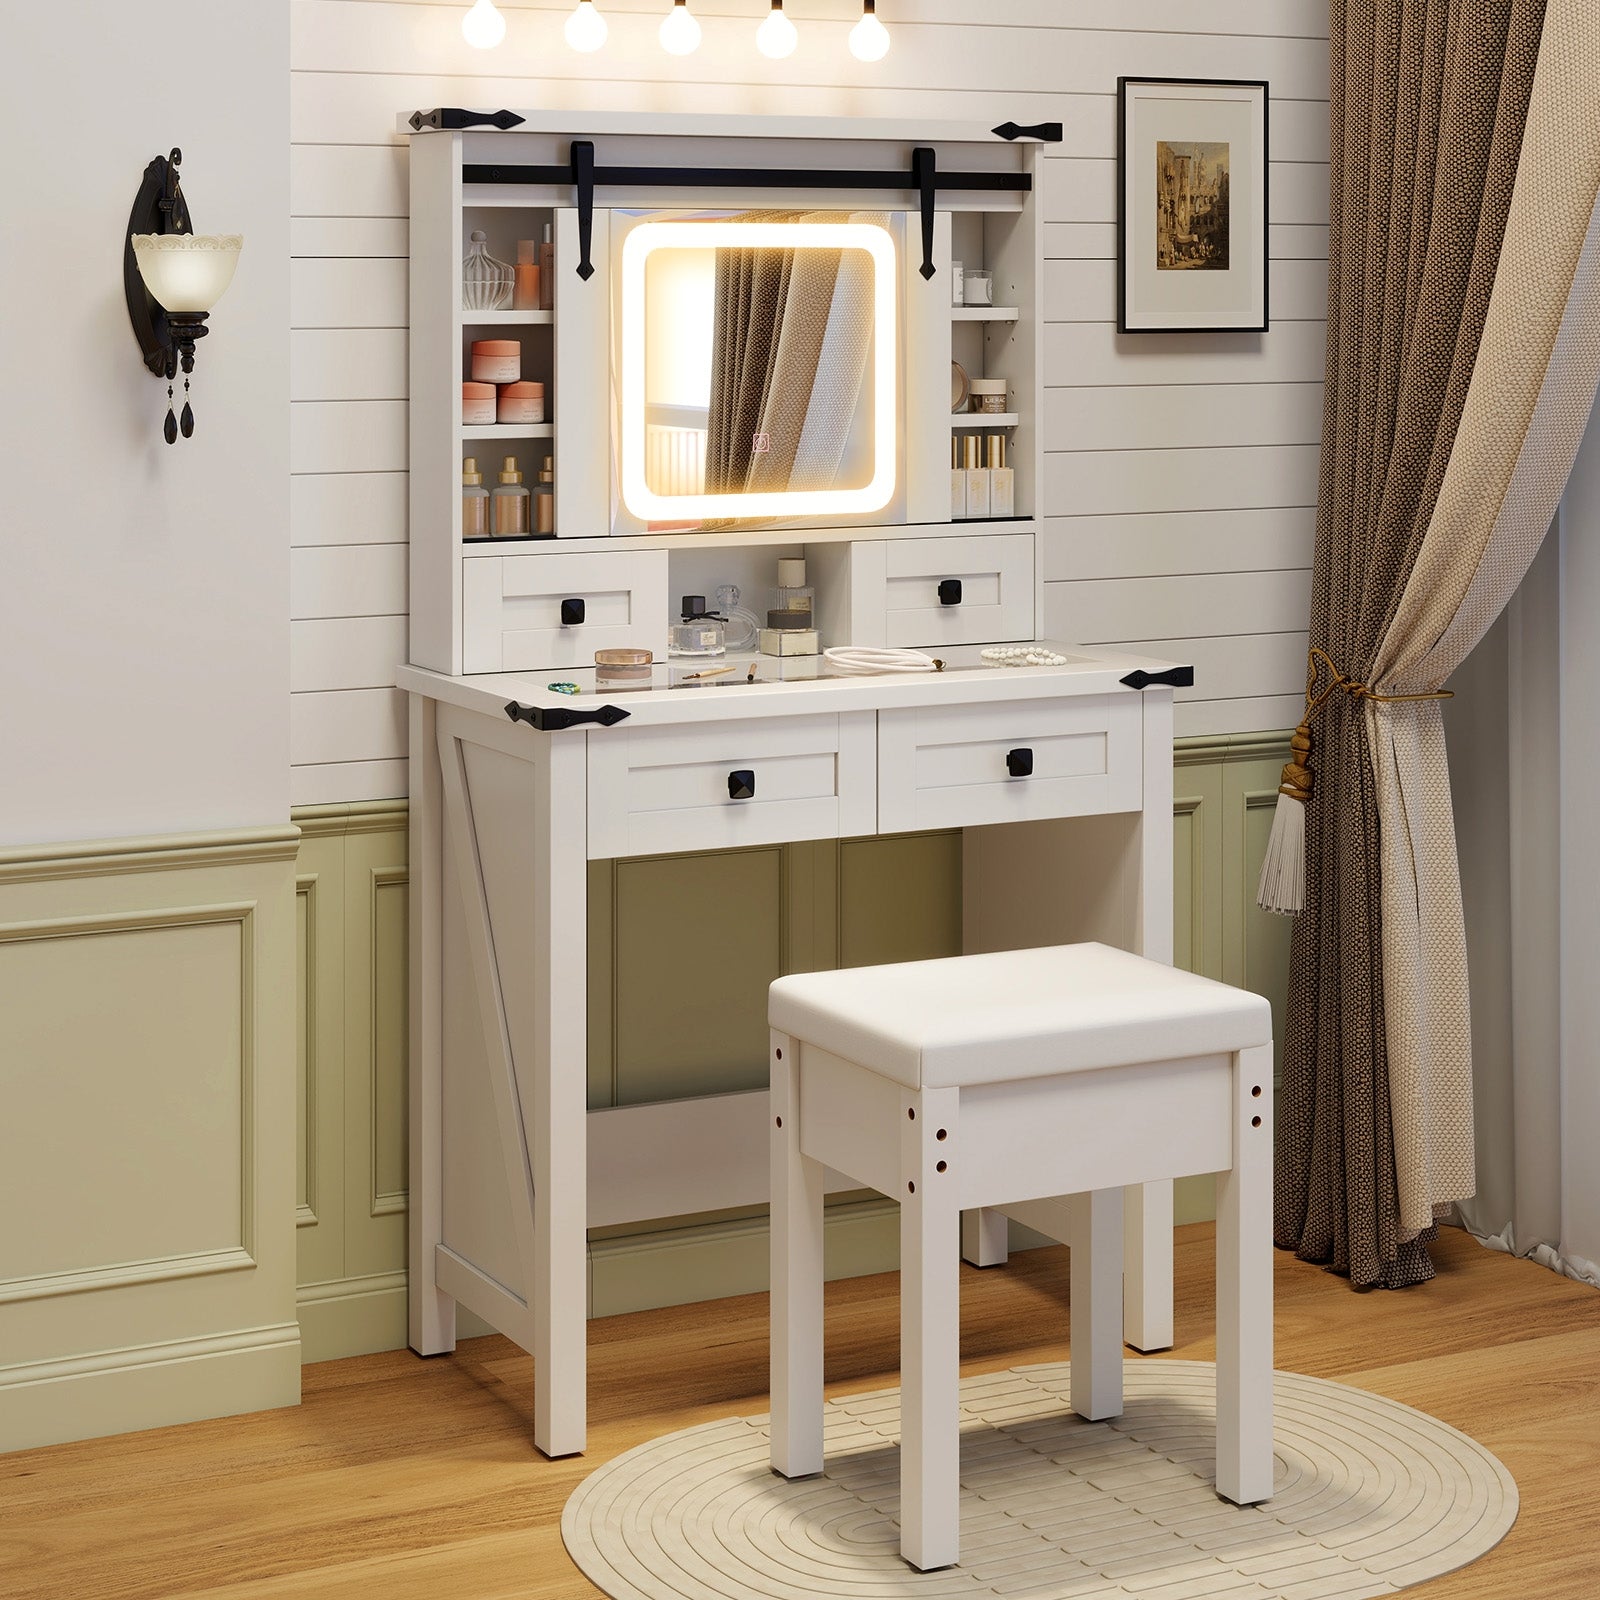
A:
{"x": 586, "y": 29}
{"x": 186, "y": 273}
{"x": 869, "y": 39}
{"x": 680, "y": 33}
{"x": 483, "y": 27}
{"x": 777, "y": 36}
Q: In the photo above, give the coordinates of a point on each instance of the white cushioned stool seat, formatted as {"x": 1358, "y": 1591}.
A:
{"x": 1035, "y": 1085}
{"x": 1015, "y": 1014}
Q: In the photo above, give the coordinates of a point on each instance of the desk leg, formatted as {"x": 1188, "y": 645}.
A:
{"x": 516, "y": 804}
{"x": 431, "y": 1312}
{"x": 1147, "y": 1208}
{"x": 558, "y": 1140}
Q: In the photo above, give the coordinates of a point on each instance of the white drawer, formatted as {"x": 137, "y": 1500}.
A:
{"x": 672, "y": 788}
{"x": 995, "y": 575}
{"x": 947, "y": 766}
{"x": 511, "y": 608}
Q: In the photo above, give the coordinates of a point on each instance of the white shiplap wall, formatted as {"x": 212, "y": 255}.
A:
{"x": 1182, "y": 474}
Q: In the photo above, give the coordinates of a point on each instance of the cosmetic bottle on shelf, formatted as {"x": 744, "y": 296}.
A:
{"x": 793, "y": 601}
{"x": 547, "y": 270}
{"x": 525, "y": 294}
{"x": 1002, "y": 479}
{"x": 544, "y": 498}
{"x": 474, "y": 501}
{"x": 486, "y": 282}
{"x": 958, "y": 481}
{"x": 510, "y": 503}
{"x": 977, "y": 477}
{"x": 698, "y": 633}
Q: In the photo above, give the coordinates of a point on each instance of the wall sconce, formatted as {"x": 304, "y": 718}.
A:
{"x": 172, "y": 277}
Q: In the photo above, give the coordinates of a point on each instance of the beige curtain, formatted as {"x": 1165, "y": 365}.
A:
{"x": 1526, "y": 409}
{"x": 1427, "y": 104}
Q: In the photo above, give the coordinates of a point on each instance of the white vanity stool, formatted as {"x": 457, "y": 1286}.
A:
{"x": 1005, "y": 1081}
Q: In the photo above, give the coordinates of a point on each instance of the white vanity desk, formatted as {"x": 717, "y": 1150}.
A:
{"x": 661, "y": 474}
{"x": 508, "y": 1167}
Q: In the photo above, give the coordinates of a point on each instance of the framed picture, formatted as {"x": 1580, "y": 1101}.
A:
{"x": 1192, "y": 205}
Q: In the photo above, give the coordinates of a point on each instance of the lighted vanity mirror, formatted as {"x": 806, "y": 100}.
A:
{"x": 758, "y": 370}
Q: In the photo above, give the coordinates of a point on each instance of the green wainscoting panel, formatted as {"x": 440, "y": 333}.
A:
{"x": 696, "y": 940}
{"x": 351, "y": 876}
{"x": 899, "y": 898}
{"x": 147, "y": 1133}
{"x": 681, "y": 949}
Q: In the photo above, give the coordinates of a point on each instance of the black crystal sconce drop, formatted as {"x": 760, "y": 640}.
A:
{"x": 172, "y": 278}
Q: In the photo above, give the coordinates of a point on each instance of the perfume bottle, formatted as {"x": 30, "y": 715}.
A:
{"x": 525, "y": 294}
{"x": 977, "y": 477}
{"x": 547, "y": 270}
{"x": 1002, "y": 479}
{"x": 793, "y": 601}
{"x": 544, "y": 498}
{"x": 699, "y": 633}
{"x": 958, "y": 481}
{"x": 486, "y": 283}
{"x": 474, "y": 501}
{"x": 510, "y": 503}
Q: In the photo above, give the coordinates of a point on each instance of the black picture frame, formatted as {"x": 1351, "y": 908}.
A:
{"x": 1133, "y": 314}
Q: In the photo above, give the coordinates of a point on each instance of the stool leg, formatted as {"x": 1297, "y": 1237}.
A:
{"x": 1244, "y": 1289}
{"x": 930, "y": 1331}
{"x": 1096, "y": 1304}
{"x": 1147, "y": 1250}
{"x": 796, "y": 1341}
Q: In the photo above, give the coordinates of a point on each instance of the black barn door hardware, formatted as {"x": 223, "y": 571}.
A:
{"x": 1174, "y": 677}
{"x": 586, "y": 176}
{"x": 552, "y": 719}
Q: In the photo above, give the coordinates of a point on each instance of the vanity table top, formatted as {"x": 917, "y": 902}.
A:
{"x": 793, "y": 685}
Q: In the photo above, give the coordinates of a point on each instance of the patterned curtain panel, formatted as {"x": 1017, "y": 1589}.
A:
{"x": 1526, "y": 411}
{"x": 1428, "y": 106}
{"x": 793, "y": 333}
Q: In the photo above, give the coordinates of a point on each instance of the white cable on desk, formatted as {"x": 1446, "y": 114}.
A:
{"x": 863, "y": 659}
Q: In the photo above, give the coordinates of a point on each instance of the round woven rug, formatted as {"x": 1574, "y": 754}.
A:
{"x": 1370, "y": 1497}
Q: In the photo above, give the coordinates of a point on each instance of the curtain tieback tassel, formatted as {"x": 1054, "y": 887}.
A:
{"x": 1282, "y": 888}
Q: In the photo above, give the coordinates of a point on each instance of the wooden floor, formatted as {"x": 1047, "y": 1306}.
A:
{"x": 403, "y": 1479}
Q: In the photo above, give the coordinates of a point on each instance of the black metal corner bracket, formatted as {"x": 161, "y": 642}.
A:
{"x": 451, "y": 119}
{"x": 552, "y": 719}
{"x": 1173, "y": 677}
{"x": 1045, "y": 132}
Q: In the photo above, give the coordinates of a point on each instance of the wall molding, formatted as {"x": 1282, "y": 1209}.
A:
{"x": 1208, "y": 750}
{"x": 167, "y": 852}
{"x": 123, "y": 1275}
{"x": 356, "y": 816}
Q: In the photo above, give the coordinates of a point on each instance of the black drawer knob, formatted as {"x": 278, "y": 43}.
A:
{"x": 571, "y": 613}
{"x": 949, "y": 591}
{"x": 742, "y": 785}
{"x": 1019, "y": 763}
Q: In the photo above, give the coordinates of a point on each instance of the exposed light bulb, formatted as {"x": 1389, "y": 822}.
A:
{"x": 777, "y": 37}
{"x": 680, "y": 33}
{"x": 869, "y": 39}
{"x": 586, "y": 29}
{"x": 483, "y": 27}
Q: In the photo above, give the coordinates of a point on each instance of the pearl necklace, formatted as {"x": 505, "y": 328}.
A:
{"x": 1023, "y": 655}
